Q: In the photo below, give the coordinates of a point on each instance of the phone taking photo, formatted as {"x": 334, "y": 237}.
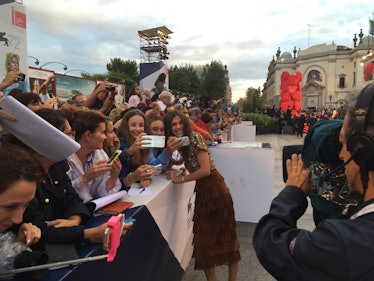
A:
{"x": 156, "y": 169}
{"x": 185, "y": 140}
{"x": 153, "y": 141}
{"x": 114, "y": 156}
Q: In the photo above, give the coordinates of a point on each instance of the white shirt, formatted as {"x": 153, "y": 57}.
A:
{"x": 95, "y": 188}
{"x": 162, "y": 105}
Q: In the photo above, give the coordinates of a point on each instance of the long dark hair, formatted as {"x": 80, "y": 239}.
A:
{"x": 161, "y": 78}
{"x": 17, "y": 164}
{"x": 132, "y": 90}
{"x": 140, "y": 156}
{"x": 187, "y": 131}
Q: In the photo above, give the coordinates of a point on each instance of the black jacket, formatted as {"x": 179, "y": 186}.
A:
{"x": 56, "y": 198}
{"x": 335, "y": 250}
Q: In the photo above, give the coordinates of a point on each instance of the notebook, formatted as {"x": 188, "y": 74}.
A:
{"x": 115, "y": 208}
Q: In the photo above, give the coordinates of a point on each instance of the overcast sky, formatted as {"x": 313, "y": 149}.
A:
{"x": 244, "y": 35}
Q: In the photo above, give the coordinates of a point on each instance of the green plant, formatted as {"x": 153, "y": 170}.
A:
{"x": 264, "y": 123}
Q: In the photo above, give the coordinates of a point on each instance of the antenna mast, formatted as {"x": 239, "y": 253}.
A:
{"x": 309, "y": 25}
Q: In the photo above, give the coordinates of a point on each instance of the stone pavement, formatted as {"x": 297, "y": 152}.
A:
{"x": 250, "y": 269}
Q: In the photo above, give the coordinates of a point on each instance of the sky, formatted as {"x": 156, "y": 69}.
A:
{"x": 243, "y": 35}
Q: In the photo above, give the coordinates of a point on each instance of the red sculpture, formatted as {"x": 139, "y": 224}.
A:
{"x": 290, "y": 92}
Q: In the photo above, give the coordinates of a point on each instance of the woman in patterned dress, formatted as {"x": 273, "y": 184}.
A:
{"x": 215, "y": 239}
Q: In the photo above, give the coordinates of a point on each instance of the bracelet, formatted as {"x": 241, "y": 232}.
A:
{"x": 182, "y": 179}
{"x": 131, "y": 177}
{"x": 111, "y": 98}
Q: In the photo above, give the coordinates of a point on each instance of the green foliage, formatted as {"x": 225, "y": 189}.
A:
{"x": 127, "y": 70}
{"x": 130, "y": 67}
{"x": 252, "y": 102}
{"x": 213, "y": 81}
{"x": 98, "y": 76}
{"x": 241, "y": 103}
{"x": 264, "y": 123}
{"x": 184, "y": 80}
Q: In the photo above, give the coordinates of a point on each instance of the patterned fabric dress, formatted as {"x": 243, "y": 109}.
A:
{"x": 215, "y": 239}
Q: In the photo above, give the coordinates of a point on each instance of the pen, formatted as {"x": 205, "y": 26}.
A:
{"x": 141, "y": 191}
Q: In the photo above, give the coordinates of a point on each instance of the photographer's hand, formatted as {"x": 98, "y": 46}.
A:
{"x": 298, "y": 175}
{"x": 10, "y": 78}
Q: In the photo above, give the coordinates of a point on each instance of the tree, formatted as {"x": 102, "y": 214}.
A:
{"x": 242, "y": 105}
{"x": 213, "y": 82}
{"x": 253, "y": 100}
{"x": 128, "y": 70}
{"x": 184, "y": 80}
{"x": 119, "y": 70}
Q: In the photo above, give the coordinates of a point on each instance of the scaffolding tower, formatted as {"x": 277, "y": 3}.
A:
{"x": 153, "y": 44}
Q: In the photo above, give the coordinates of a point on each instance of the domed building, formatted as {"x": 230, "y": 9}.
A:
{"x": 330, "y": 75}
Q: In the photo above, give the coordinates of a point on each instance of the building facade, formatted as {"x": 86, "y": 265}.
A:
{"x": 331, "y": 75}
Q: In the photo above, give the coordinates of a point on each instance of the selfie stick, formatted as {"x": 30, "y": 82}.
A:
{"x": 115, "y": 223}
{"x": 51, "y": 265}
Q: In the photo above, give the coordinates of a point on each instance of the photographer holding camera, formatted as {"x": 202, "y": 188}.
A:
{"x": 101, "y": 98}
{"x": 14, "y": 78}
{"x": 11, "y": 79}
{"x": 337, "y": 249}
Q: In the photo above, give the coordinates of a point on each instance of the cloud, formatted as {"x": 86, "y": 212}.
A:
{"x": 87, "y": 34}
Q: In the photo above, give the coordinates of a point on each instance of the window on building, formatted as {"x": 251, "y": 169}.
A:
{"x": 341, "y": 82}
{"x": 314, "y": 75}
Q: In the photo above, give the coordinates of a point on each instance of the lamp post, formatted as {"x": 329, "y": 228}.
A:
{"x": 120, "y": 79}
{"x": 36, "y": 60}
{"x": 65, "y": 67}
{"x": 80, "y": 70}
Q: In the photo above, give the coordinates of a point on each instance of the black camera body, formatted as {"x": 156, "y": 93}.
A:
{"x": 111, "y": 88}
{"x": 21, "y": 78}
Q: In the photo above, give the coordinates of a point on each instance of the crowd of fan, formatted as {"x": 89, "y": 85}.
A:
{"x": 300, "y": 123}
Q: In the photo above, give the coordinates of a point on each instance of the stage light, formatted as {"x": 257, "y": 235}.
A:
{"x": 80, "y": 70}
{"x": 65, "y": 67}
{"x": 36, "y": 60}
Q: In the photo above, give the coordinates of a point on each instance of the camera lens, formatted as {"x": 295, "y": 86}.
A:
{"x": 111, "y": 88}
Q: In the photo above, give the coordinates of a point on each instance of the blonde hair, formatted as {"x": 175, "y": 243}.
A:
{"x": 115, "y": 114}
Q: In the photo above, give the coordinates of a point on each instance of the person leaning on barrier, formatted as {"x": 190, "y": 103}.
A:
{"x": 19, "y": 175}
{"x": 56, "y": 208}
{"x": 337, "y": 249}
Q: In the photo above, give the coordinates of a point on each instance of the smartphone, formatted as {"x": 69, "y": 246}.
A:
{"x": 114, "y": 156}
{"x": 112, "y": 235}
{"x": 185, "y": 140}
{"x": 177, "y": 171}
{"x": 153, "y": 141}
{"x": 130, "y": 219}
{"x": 157, "y": 169}
{"x": 106, "y": 239}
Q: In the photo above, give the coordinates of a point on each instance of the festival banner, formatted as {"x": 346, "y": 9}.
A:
{"x": 13, "y": 42}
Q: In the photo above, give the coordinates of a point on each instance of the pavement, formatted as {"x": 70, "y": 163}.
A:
{"x": 250, "y": 269}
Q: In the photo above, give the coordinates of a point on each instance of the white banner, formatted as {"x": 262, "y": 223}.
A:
{"x": 13, "y": 43}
